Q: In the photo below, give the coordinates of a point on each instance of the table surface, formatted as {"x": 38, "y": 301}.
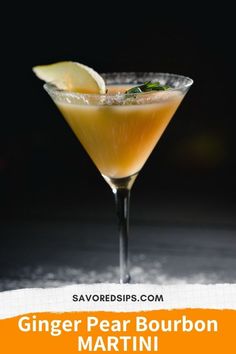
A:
{"x": 51, "y": 253}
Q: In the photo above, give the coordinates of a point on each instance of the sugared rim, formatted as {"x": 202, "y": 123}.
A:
{"x": 187, "y": 82}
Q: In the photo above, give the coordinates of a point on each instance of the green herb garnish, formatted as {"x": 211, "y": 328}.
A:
{"x": 147, "y": 87}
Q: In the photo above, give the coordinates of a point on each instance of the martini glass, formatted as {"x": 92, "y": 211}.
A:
{"x": 119, "y": 131}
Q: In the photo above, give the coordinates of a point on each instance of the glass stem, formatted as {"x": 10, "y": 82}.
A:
{"x": 122, "y": 199}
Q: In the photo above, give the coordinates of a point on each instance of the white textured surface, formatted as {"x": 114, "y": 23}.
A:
{"x": 17, "y": 302}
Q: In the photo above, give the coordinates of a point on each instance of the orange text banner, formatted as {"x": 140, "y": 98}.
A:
{"x": 163, "y": 331}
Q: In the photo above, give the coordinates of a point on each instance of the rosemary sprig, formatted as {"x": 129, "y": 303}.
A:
{"x": 147, "y": 87}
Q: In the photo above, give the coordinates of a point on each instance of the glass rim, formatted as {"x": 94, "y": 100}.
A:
{"x": 49, "y": 86}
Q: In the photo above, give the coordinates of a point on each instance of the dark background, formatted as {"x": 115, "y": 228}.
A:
{"x": 46, "y": 177}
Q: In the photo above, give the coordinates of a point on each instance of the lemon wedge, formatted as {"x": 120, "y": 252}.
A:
{"x": 71, "y": 76}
